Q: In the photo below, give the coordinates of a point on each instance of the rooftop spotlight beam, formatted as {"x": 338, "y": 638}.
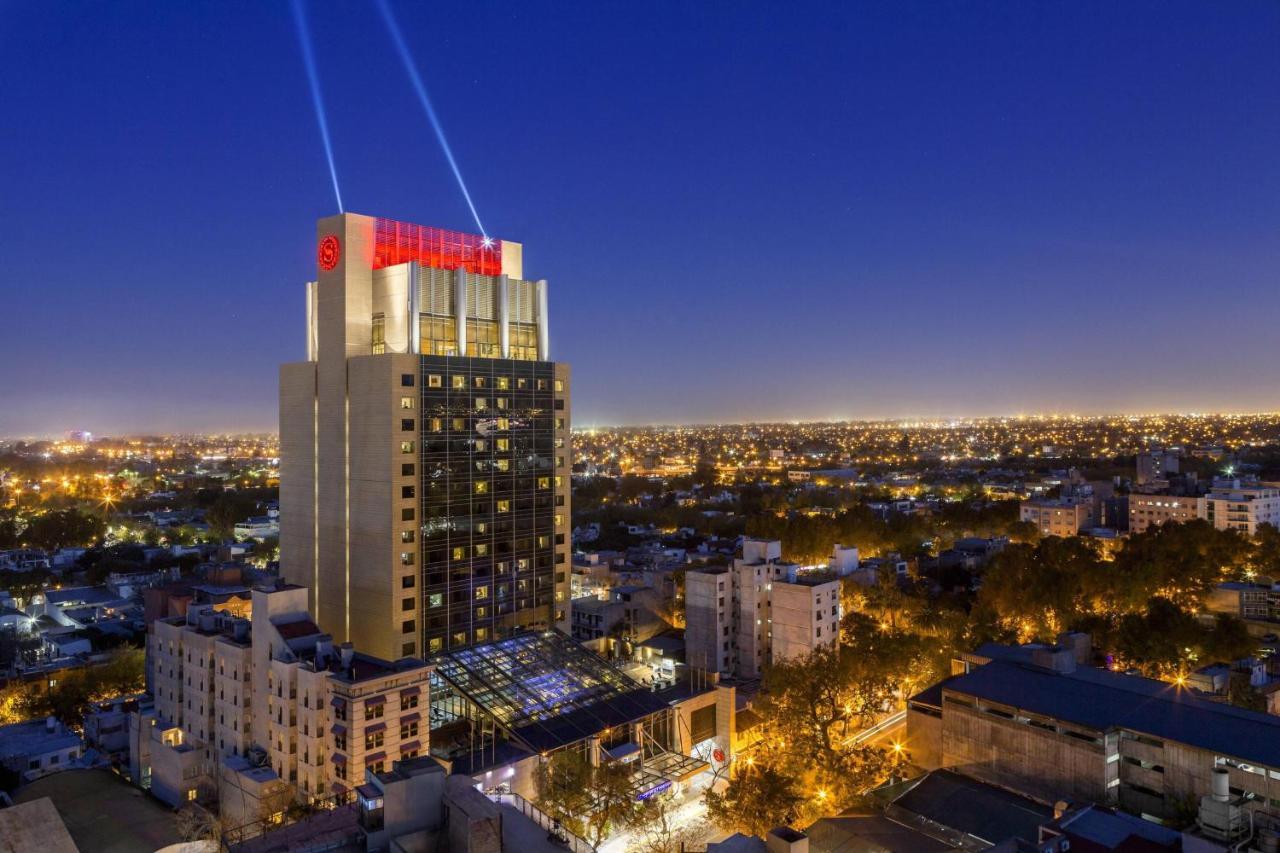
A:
{"x": 398, "y": 37}
{"x": 308, "y": 60}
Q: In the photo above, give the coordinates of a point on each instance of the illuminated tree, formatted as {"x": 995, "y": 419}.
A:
{"x": 757, "y": 799}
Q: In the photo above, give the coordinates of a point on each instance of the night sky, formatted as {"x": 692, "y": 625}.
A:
{"x": 746, "y": 212}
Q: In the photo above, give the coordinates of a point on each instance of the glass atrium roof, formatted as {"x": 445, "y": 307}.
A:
{"x": 546, "y": 689}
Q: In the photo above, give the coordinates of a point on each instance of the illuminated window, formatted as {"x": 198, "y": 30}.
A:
{"x": 524, "y": 343}
{"x": 439, "y": 334}
{"x": 502, "y": 444}
{"x": 436, "y": 644}
{"x": 503, "y": 383}
{"x": 435, "y": 424}
{"x": 434, "y": 380}
{"x": 482, "y": 592}
{"x": 407, "y": 535}
{"x": 478, "y": 381}
{"x": 559, "y": 386}
{"x": 379, "y": 334}
{"x": 482, "y": 338}
{"x": 482, "y": 403}
{"x": 459, "y": 381}
{"x": 501, "y": 402}
{"x": 502, "y": 464}
{"x": 559, "y": 520}
{"x": 503, "y": 506}
{"x": 482, "y": 550}
{"x": 503, "y": 423}
{"x": 460, "y": 552}
{"x": 406, "y": 558}
{"x": 435, "y": 599}
{"x": 482, "y": 487}
{"x": 406, "y": 402}
{"x": 406, "y": 447}
{"x": 544, "y": 482}
{"x": 459, "y": 425}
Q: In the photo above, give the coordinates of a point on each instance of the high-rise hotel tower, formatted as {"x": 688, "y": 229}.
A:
{"x": 424, "y": 473}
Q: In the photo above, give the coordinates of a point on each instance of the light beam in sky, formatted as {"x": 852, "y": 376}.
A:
{"x": 398, "y": 37}
{"x": 308, "y": 60}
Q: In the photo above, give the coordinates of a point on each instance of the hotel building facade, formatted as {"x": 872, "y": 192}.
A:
{"x": 425, "y": 450}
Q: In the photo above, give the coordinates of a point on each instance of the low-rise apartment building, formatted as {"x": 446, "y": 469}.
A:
{"x": 268, "y": 701}
{"x": 1066, "y": 516}
{"x": 1230, "y": 506}
{"x": 1151, "y": 510}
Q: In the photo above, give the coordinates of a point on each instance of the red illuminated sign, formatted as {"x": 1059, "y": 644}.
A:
{"x": 330, "y": 252}
{"x": 401, "y": 242}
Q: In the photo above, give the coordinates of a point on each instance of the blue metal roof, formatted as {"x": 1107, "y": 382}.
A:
{"x": 1102, "y": 700}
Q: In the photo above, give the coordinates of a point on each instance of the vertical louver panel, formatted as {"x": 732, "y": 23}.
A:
{"x": 436, "y": 292}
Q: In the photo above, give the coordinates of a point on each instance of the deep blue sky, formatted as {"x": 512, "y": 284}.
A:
{"x": 764, "y": 212}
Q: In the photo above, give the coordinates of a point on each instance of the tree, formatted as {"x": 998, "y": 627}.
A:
{"x": 226, "y": 510}
{"x": 658, "y": 827}
{"x": 63, "y": 528}
{"x": 813, "y": 706}
{"x": 1180, "y": 562}
{"x": 1037, "y": 590}
{"x": 590, "y": 801}
{"x": 757, "y": 799}
{"x": 194, "y": 822}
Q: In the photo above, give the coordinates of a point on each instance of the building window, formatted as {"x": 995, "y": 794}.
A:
{"x": 435, "y": 599}
{"x": 406, "y": 514}
{"x": 406, "y": 492}
{"x": 406, "y": 380}
{"x": 406, "y": 604}
{"x": 408, "y": 730}
{"x": 503, "y": 383}
{"x": 481, "y": 404}
{"x": 406, "y": 535}
{"x": 379, "y": 334}
{"x": 406, "y": 650}
{"x": 460, "y": 552}
{"x": 434, "y": 380}
{"x": 406, "y": 424}
{"x": 407, "y": 582}
{"x": 406, "y": 447}
{"x": 406, "y": 469}
{"x": 503, "y": 506}
{"x": 482, "y": 592}
{"x": 373, "y": 741}
{"x": 373, "y": 712}
{"x": 559, "y": 386}
{"x": 459, "y": 382}
{"x": 482, "y": 487}
{"x": 406, "y": 402}
{"x": 406, "y": 558}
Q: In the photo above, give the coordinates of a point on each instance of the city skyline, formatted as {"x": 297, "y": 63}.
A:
{"x": 1030, "y": 210}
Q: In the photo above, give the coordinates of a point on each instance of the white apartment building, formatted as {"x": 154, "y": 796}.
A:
{"x": 741, "y": 619}
{"x": 1230, "y": 506}
{"x": 243, "y": 707}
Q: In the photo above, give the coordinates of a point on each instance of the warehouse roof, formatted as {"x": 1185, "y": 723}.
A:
{"x": 1100, "y": 699}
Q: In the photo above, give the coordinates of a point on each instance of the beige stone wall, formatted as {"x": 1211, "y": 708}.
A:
{"x": 377, "y": 502}
{"x": 297, "y": 473}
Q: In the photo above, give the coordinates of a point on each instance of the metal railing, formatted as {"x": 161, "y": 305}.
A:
{"x": 542, "y": 819}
